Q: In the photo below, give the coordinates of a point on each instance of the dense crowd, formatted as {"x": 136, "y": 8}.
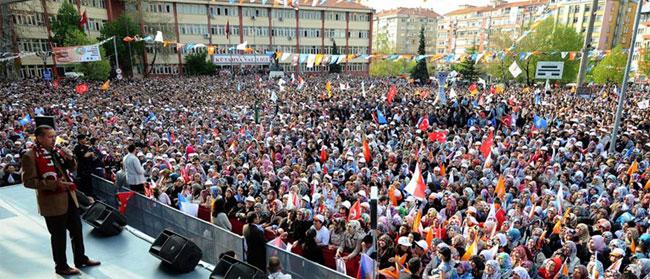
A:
{"x": 294, "y": 156}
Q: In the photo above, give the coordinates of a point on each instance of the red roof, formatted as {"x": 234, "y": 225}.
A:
{"x": 332, "y": 4}
{"x": 408, "y": 12}
{"x": 488, "y": 8}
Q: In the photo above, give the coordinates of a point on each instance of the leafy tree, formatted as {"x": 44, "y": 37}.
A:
{"x": 546, "y": 43}
{"x": 121, "y": 27}
{"x": 610, "y": 69}
{"x": 388, "y": 68}
{"x": 467, "y": 68}
{"x": 197, "y": 64}
{"x": 498, "y": 67}
{"x": 383, "y": 44}
{"x": 65, "y": 23}
{"x": 420, "y": 71}
{"x": 335, "y": 68}
{"x": 644, "y": 62}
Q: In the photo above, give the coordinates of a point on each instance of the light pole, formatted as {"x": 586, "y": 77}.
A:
{"x": 621, "y": 97}
{"x": 586, "y": 47}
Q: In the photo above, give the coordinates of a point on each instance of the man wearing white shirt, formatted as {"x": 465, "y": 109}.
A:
{"x": 322, "y": 233}
{"x": 134, "y": 171}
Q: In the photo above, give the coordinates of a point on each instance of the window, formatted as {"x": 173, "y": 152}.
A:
{"x": 31, "y": 71}
{"x": 193, "y": 29}
{"x": 310, "y": 15}
{"x": 165, "y": 69}
{"x": 158, "y": 8}
{"x": 94, "y": 3}
{"x": 29, "y": 45}
{"x": 191, "y": 9}
{"x": 28, "y": 19}
{"x": 310, "y": 32}
{"x": 282, "y": 14}
{"x": 96, "y": 24}
{"x": 335, "y": 16}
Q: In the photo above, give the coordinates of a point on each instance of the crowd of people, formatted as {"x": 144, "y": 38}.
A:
{"x": 546, "y": 200}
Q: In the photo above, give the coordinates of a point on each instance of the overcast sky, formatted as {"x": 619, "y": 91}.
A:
{"x": 440, "y": 6}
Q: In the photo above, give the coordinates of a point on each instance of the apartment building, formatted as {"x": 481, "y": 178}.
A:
{"x": 642, "y": 42}
{"x": 400, "y": 29}
{"x": 612, "y": 26}
{"x": 265, "y": 27}
{"x": 471, "y": 26}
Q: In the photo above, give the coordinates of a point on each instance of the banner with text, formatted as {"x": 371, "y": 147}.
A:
{"x": 77, "y": 54}
{"x": 241, "y": 59}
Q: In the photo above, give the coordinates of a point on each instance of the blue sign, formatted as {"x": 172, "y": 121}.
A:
{"x": 47, "y": 74}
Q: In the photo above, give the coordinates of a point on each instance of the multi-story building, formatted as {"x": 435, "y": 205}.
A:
{"x": 399, "y": 29}
{"x": 472, "y": 26}
{"x": 612, "y": 26}
{"x": 268, "y": 27}
{"x": 642, "y": 42}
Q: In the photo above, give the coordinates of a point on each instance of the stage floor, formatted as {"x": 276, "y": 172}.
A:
{"x": 25, "y": 246}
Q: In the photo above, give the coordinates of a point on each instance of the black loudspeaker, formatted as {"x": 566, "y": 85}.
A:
{"x": 176, "y": 251}
{"x": 231, "y": 268}
{"x": 104, "y": 219}
{"x": 45, "y": 120}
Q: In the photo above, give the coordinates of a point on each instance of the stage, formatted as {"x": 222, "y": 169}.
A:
{"x": 25, "y": 246}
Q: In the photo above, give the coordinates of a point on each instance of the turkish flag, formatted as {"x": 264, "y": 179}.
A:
{"x": 440, "y": 137}
{"x": 424, "y": 123}
{"x": 366, "y": 151}
{"x": 486, "y": 146}
{"x": 323, "y": 155}
{"x": 123, "y": 198}
{"x": 355, "y": 211}
{"x": 83, "y": 20}
{"x": 392, "y": 92}
{"x": 81, "y": 88}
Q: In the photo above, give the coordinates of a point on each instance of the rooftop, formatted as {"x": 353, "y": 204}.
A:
{"x": 408, "y": 12}
{"x": 307, "y": 4}
{"x": 472, "y": 9}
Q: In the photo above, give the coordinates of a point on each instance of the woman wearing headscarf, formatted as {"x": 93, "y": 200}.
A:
{"x": 478, "y": 265}
{"x": 520, "y": 273}
{"x": 579, "y": 272}
{"x": 386, "y": 251}
{"x": 464, "y": 270}
{"x": 492, "y": 270}
{"x": 582, "y": 241}
{"x": 595, "y": 269}
{"x": 351, "y": 240}
{"x": 598, "y": 247}
{"x": 505, "y": 264}
{"x": 550, "y": 269}
{"x": 570, "y": 252}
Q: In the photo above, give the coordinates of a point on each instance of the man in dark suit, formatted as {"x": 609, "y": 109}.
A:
{"x": 255, "y": 243}
{"x": 45, "y": 168}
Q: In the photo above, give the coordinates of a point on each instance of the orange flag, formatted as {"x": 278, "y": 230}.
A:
{"x": 391, "y": 195}
{"x": 565, "y": 269}
{"x": 105, "y": 86}
{"x": 558, "y": 227}
{"x": 366, "y": 150}
{"x": 633, "y": 246}
{"x": 443, "y": 170}
{"x": 500, "y": 190}
{"x": 471, "y": 250}
{"x": 429, "y": 236}
{"x": 416, "y": 222}
{"x": 647, "y": 185}
{"x": 401, "y": 260}
{"x": 633, "y": 168}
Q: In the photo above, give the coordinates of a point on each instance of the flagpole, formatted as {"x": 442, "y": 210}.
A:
{"x": 117, "y": 63}
{"x": 232, "y": 66}
{"x": 621, "y": 97}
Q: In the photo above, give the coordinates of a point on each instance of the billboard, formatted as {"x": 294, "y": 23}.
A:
{"x": 77, "y": 54}
{"x": 225, "y": 59}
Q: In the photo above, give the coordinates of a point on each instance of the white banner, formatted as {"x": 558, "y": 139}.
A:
{"x": 514, "y": 69}
{"x": 240, "y": 59}
{"x": 77, "y": 54}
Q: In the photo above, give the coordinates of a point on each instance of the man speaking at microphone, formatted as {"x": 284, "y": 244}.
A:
{"x": 46, "y": 168}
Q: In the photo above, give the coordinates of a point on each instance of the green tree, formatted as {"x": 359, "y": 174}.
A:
{"x": 546, "y": 43}
{"x": 197, "y": 64}
{"x": 335, "y": 68}
{"x": 420, "y": 71}
{"x": 65, "y": 23}
{"x": 644, "y": 62}
{"x": 121, "y": 27}
{"x": 390, "y": 68}
{"x": 383, "y": 44}
{"x": 467, "y": 68}
{"x": 498, "y": 67}
{"x": 610, "y": 69}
